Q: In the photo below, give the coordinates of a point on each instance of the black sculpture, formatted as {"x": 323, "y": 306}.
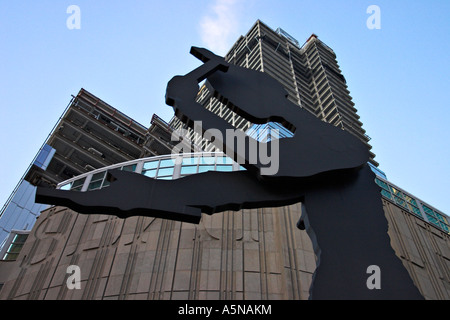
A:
{"x": 321, "y": 166}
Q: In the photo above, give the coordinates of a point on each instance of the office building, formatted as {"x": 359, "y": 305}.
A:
{"x": 255, "y": 254}
{"x": 90, "y": 134}
{"x": 310, "y": 74}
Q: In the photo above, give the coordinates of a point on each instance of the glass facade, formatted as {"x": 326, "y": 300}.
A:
{"x": 160, "y": 167}
{"x": 268, "y": 131}
{"x": 413, "y": 205}
{"x": 20, "y": 211}
{"x": 44, "y": 157}
{"x": 436, "y": 217}
{"x": 377, "y": 171}
{"x": 13, "y": 249}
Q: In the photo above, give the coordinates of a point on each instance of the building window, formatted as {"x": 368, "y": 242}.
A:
{"x": 165, "y": 172}
{"x": 188, "y": 170}
{"x": 77, "y": 185}
{"x": 268, "y": 131}
{"x": 44, "y": 157}
{"x": 190, "y": 161}
{"x": 166, "y": 168}
{"x": 130, "y": 168}
{"x": 96, "y": 181}
{"x": 224, "y": 168}
{"x": 207, "y": 160}
{"x": 204, "y": 168}
{"x": 436, "y": 218}
{"x": 224, "y": 160}
{"x": 150, "y": 165}
{"x": 67, "y": 186}
{"x": 167, "y": 163}
{"x": 149, "y": 173}
{"x": 149, "y": 168}
{"x": 384, "y": 188}
{"x": 15, "y": 247}
{"x": 412, "y": 205}
{"x": 400, "y": 198}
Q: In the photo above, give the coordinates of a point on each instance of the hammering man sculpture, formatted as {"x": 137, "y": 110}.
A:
{"x": 321, "y": 166}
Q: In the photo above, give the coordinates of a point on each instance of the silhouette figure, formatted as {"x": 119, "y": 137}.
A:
{"x": 321, "y": 166}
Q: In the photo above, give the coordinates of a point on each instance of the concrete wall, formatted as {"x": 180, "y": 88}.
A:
{"x": 251, "y": 254}
{"x": 424, "y": 250}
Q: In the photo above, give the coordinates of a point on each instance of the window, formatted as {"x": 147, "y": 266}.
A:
{"x": 224, "y": 168}
{"x": 149, "y": 173}
{"x": 205, "y": 168}
{"x": 165, "y": 172}
{"x": 412, "y": 205}
{"x": 189, "y": 166}
{"x": 15, "y": 247}
{"x": 149, "y": 168}
{"x": 268, "y": 131}
{"x": 130, "y": 168}
{"x": 67, "y": 186}
{"x": 404, "y": 200}
{"x": 165, "y": 178}
{"x": 207, "y": 160}
{"x": 384, "y": 188}
{"x": 107, "y": 180}
{"x": 224, "y": 160}
{"x": 96, "y": 181}
{"x": 188, "y": 170}
{"x": 77, "y": 185}
{"x": 206, "y": 164}
{"x": 436, "y": 218}
{"x": 44, "y": 157}
{"x": 386, "y": 194}
{"x": 398, "y": 197}
{"x": 189, "y": 161}
{"x": 167, "y": 163}
{"x": 150, "y": 165}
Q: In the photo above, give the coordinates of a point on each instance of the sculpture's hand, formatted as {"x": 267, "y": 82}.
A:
{"x": 316, "y": 146}
{"x": 129, "y": 194}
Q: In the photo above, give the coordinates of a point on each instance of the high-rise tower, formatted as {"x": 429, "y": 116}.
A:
{"x": 310, "y": 74}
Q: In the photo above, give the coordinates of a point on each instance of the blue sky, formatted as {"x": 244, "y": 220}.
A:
{"x": 126, "y": 51}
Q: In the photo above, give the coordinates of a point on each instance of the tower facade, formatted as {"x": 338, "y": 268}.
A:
{"x": 309, "y": 73}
